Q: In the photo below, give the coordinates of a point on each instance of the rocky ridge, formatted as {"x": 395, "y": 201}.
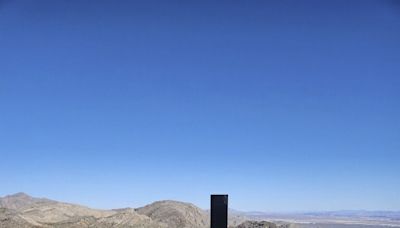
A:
{"x": 23, "y": 211}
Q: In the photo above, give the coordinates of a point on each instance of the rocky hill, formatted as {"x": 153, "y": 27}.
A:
{"x": 23, "y": 211}
{"x": 176, "y": 214}
{"x": 21, "y": 200}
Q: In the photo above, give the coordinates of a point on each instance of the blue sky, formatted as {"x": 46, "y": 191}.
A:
{"x": 284, "y": 105}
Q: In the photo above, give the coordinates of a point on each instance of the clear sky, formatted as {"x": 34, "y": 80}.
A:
{"x": 284, "y": 105}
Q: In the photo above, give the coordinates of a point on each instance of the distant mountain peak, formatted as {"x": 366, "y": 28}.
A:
{"x": 19, "y": 195}
{"x": 19, "y": 200}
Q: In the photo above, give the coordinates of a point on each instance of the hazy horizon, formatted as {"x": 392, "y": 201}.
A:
{"x": 283, "y": 105}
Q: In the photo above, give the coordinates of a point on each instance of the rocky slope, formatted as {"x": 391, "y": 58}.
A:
{"x": 125, "y": 218}
{"x": 11, "y": 218}
{"x": 176, "y": 214}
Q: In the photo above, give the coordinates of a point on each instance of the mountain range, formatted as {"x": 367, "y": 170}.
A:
{"x": 23, "y": 211}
